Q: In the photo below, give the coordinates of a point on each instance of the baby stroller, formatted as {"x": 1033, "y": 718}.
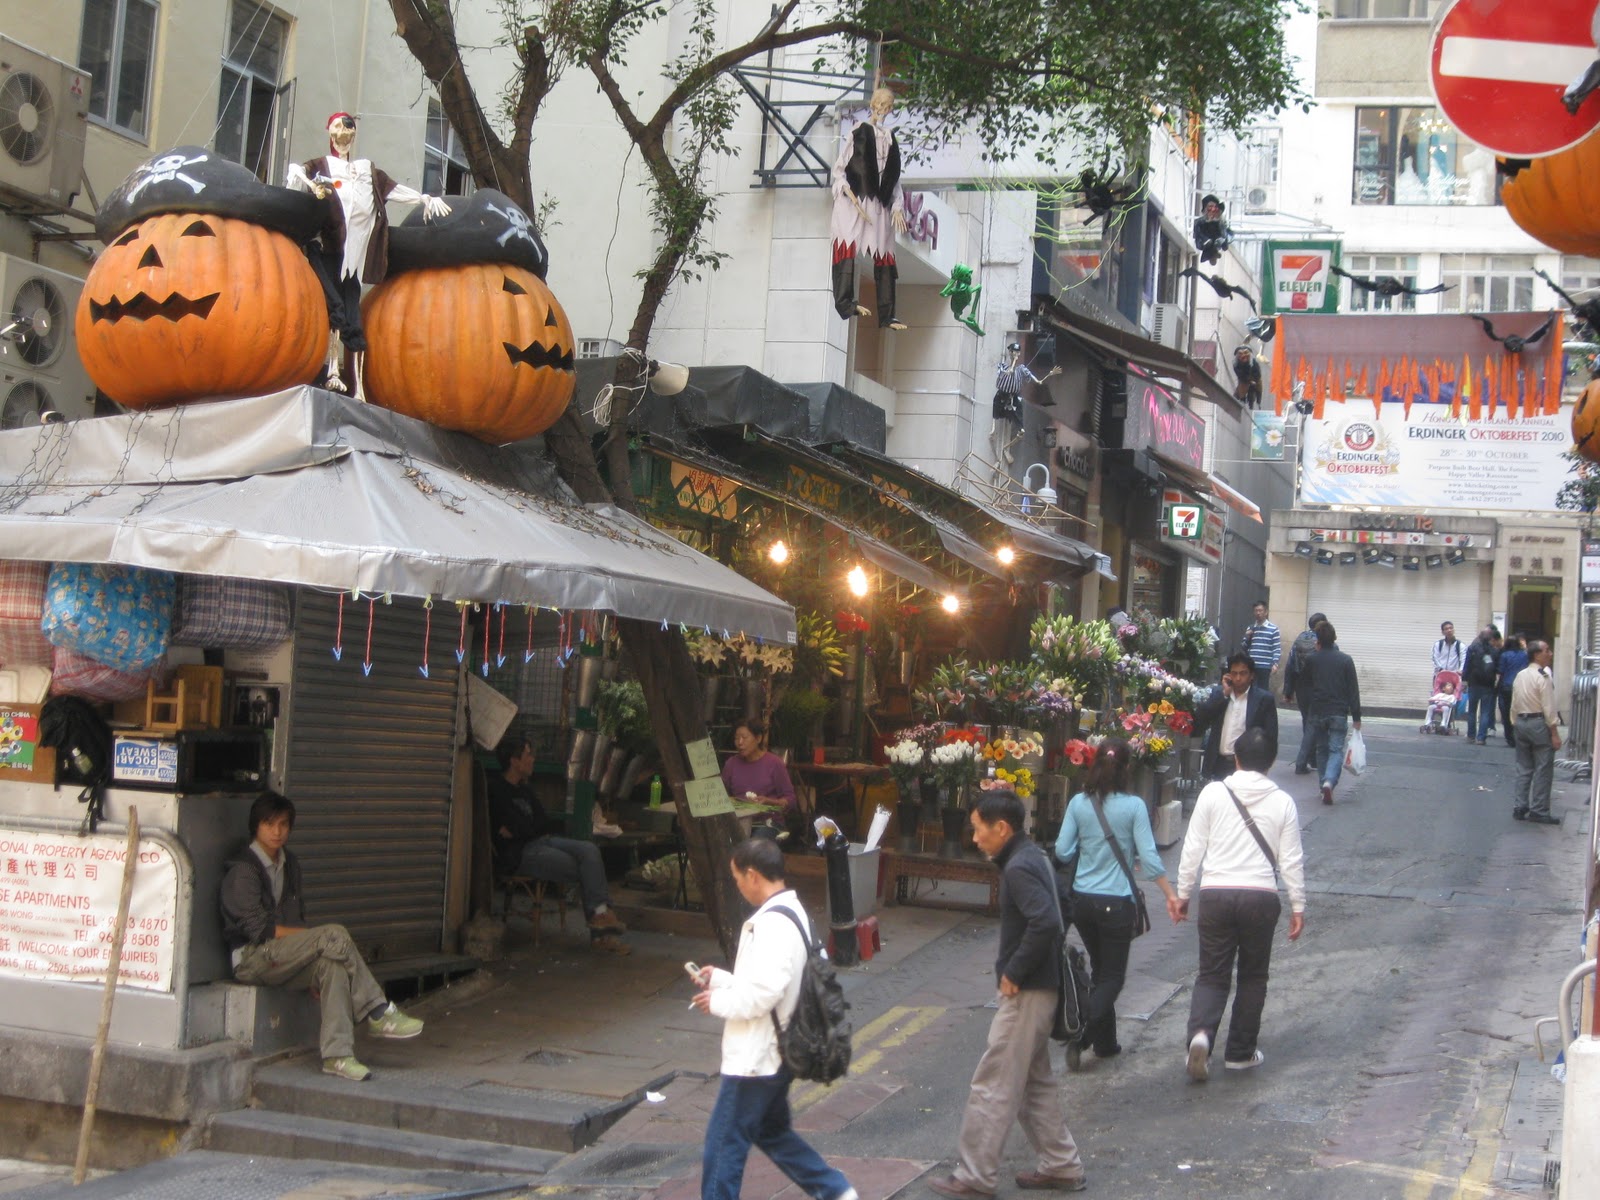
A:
{"x": 1440, "y": 718}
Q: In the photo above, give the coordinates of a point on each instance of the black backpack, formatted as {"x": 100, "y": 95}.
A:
{"x": 816, "y": 1043}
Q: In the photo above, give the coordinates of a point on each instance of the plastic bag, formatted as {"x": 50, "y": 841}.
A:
{"x": 1355, "y": 753}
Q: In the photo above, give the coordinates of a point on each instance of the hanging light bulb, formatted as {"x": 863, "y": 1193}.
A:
{"x": 857, "y": 578}
{"x": 1006, "y": 555}
{"x": 951, "y": 604}
{"x": 778, "y": 552}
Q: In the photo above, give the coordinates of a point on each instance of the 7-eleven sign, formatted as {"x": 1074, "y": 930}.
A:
{"x": 1297, "y": 278}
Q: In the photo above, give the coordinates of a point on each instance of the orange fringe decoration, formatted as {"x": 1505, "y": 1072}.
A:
{"x": 1281, "y": 384}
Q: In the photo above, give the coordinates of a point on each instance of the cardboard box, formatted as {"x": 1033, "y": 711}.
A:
{"x": 22, "y": 759}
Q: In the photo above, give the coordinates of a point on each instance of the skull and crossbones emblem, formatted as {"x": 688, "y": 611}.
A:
{"x": 165, "y": 168}
{"x": 518, "y": 222}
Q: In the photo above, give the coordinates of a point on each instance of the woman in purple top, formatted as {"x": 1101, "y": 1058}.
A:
{"x": 754, "y": 774}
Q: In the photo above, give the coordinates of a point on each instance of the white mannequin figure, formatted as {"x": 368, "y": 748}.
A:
{"x": 868, "y": 210}
{"x": 354, "y": 242}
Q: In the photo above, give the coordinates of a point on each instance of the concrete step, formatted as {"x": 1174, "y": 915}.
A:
{"x": 420, "y": 1101}
{"x": 285, "y": 1135}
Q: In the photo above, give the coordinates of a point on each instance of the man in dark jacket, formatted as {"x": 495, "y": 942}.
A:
{"x": 264, "y": 926}
{"x": 1305, "y": 645}
{"x": 1232, "y": 707}
{"x": 1482, "y": 680}
{"x": 1014, "y": 1080}
{"x": 1330, "y": 678}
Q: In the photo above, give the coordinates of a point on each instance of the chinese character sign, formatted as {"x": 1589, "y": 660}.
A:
{"x": 1297, "y": 277}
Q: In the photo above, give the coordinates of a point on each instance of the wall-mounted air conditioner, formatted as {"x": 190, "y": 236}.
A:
{"x": 44, "y": 119}
{"x": 1169, "y": 325}
{"x": 39, "y": 366}
{"x": 1260, "y": 198}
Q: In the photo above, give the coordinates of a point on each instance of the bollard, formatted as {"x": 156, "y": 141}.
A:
{"x": 846, "y": 952}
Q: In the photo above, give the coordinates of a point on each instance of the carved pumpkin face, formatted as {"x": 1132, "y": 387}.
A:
{"x": 195, "y": 306}
{"x": 482, "y": 348}
{"x": 1554, "y": 198}
{"x": 1586, "y": 423}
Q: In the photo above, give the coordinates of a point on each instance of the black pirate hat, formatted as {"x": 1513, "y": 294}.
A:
{"x": 194, "y": 179}
{"x": 486, "y": 227}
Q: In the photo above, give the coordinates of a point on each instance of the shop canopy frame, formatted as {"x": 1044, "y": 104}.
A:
{"x": 309, "y": 488}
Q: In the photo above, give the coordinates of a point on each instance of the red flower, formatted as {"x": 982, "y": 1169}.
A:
{"x": 1079, "y": 752}
{"x": 1181, "y": 722}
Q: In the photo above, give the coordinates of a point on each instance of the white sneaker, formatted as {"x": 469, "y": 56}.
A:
{"x": 1199, "y": 1056}
{"x": 1255, "y": 1060}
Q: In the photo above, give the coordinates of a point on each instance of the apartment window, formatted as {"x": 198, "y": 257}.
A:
{"x": 444, "y": 166}
{"x": 1369, "y": 266}
{"x": 1579, "y": 275}
{"x": 117, "y": 48}
{"x": 1487, "y": 283}
{"x": 1383, "y": 10}
{"x": 1407, "y": 155}
{"x": 253, "y": 103}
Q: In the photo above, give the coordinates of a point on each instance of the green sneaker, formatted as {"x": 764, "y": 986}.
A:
{"x": 346, "y": 1068}
{"x": 392, "y": 1023}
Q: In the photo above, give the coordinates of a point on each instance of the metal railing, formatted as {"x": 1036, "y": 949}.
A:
{"x": 1577, "y": 751}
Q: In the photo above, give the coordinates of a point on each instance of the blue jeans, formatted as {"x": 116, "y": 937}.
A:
{"x": 1308, "y": 739}
{"x": 1329, "y": 754}
{"x": 1480, "y": 710}
{"x": 754, "y": 1110}
{"x": 568, "y": 861}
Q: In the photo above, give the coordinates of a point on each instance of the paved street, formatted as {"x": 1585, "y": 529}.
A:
{"x": 1398, "y": 1031}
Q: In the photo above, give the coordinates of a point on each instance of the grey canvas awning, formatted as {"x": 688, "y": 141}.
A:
{"x": 309, "y": 488}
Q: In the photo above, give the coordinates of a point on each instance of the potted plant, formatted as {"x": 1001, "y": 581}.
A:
{"x": 955, "y": 767}
{"x": 624, "y": 726}
{"x": 907, "y": 760}
{"x": 797, "y": 719}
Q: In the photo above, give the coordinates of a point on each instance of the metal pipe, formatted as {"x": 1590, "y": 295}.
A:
{"x": 1564, "y": 999}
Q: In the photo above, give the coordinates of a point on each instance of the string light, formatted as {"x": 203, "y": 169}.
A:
{"x": 951, "y": 604}
{"x": 1006, "y": 555}
{"x": 857, "y": 578}
{"x": 778, "y": 552}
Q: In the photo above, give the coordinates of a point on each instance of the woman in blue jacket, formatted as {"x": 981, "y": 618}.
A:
{"x": 1103, "y": 905}
{"x": 1512, "y": 659}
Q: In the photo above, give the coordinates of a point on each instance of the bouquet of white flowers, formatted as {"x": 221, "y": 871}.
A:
{"x": 955, "y": 765}
{"x": 906, "y": 762}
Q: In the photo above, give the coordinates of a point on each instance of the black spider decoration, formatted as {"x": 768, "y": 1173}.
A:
{"x": 1105, "y": 197}
{"x": 1388, "y": 285}
{"x": 1586, "y": 311}
{"x": 1221, "y": 286}
{"x": 1514, "y": 343}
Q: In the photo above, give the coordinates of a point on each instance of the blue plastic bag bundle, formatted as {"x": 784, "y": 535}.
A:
{"x": 118, "y": 616}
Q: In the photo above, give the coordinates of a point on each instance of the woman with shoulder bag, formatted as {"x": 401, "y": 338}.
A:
{"x": 1106, "y": 826}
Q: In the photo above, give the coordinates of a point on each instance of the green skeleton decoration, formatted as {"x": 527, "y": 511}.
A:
{"x": 963, "y": 297}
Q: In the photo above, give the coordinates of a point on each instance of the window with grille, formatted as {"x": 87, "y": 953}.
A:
{"x": 1370, "y": 266}
{"x": 444, "y": 165}
{"x": 1487, "y": 283}
{"x": 250, "y": 106}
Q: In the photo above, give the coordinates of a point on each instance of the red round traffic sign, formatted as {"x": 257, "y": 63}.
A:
{"x": 1499, "y": 68}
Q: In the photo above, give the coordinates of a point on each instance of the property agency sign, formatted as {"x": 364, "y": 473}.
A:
{"x": 1433, "y": 460}
{"x": 1298, "y": 278}
{"x": 58, "y": 907}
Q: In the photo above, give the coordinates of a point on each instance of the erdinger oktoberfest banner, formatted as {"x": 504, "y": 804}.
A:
{"x": 1493, "y": 366}
{"x": 1297, "y": 278}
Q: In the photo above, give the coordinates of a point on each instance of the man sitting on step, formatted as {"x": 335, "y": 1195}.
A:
{"x": 526, "y": 843}
{"x": 264, "y": 925}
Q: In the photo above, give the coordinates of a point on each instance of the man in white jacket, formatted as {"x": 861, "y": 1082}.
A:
{"x": 752, "y": 1106}
{"x": 1244, "y": 834}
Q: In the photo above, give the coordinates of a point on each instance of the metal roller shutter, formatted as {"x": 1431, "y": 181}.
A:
{"x": 369, "y": 767}
{"x": 1388, "y": 620}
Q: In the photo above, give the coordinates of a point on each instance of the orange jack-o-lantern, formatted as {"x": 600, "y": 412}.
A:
{"x": 483, "y": 348}
{"x": 1554, "y": 198}
{"x": 195, "y": 306}
{"x": 1586, "y": 422}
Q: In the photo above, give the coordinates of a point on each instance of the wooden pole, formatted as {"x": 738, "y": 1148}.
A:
{"x": 113, "y": 968}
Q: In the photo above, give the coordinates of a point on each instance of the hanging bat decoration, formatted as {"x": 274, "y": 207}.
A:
{"x": 1388, "y": 285}
{"x": 1587, "y": 311}
{"x": 1105, "y": 197}
{"x": 1514, "y": 343}
{"x": 1221, "y": 286}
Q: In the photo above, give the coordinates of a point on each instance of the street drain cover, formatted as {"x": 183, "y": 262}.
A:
{"x": 1295, "y": 1114}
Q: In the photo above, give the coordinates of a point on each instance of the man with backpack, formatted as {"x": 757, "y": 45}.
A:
{"x": 1305, "y": 645}
{"x": 757, "y": 1001}
{"x": 1014, "y": 1081}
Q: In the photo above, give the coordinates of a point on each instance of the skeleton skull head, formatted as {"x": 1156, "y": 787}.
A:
{"x": 341, "y": 134}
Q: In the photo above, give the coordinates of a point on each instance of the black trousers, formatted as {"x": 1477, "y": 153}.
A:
{"x": 1106, "y": 925}
{"x": 1505, "y": 717}
{"x": 1236, "y": 925}
{"x": 344, "y": 299}
{"x": 884, "y": 276}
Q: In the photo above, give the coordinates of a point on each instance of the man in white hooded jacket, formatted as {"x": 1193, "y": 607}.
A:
{"x": 1244, "y": 834}
{"x": 752, "y": 1107}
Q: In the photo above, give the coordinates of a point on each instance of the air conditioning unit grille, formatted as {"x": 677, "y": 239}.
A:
{"x": 23, "y": 404}
{"x": 27, "y": 117}
{"x": 43, "y": 314}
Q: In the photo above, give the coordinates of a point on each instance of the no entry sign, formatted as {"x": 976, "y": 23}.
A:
{"x": 1499, "y": 68}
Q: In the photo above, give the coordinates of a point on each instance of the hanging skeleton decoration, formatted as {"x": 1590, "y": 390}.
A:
{"x": 868, "y": 210}
{"x": 1212, "y": 234}
{"x": 353, "y": 246}
{"x": 964, "y": 296}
